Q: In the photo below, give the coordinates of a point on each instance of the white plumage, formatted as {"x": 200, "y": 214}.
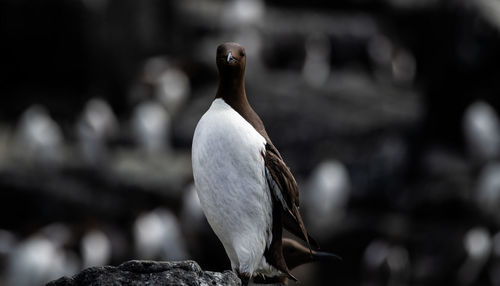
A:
{"x": 482, "y": 131}
{"x": 230, "y": 179}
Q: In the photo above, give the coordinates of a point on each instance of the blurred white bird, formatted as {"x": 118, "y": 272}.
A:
{"x": 404, "y": 66}
{"x": 39, "y": 135}
{"x": 243, "y": 12}
{"x": 151, "y": 126}
{"x": 482, "y": 132}
{"x": 375, "y": 254}
{"x": 327, "y": 196}
{"x": 41, "y": 258}
{"x": 380, "y": 256}
{"x": 95, "y": 248}
{"x": 316, "y": 69}
{"x": 488, "y": 190}
{"x": 157, "y": 235}
{"x": 398, "y": 261}
{"x": 172, "y": 89}
{"x": 162, "y": 81}
{"x": 96, "y": 125}
{"x": 478, "y": 246}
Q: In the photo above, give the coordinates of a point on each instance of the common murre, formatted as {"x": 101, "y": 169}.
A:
{"x": 247, "y": 192}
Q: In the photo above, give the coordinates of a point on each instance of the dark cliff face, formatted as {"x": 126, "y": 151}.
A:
{"x": 137, "y": 272}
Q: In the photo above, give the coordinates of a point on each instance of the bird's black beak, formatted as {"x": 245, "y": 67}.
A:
{"x": 230, "y": 59}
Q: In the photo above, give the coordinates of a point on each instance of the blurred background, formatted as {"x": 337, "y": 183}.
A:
{"x": 385, "y": 110}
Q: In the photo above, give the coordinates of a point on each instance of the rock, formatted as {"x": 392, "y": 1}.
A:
{"x": 145, "y": 272}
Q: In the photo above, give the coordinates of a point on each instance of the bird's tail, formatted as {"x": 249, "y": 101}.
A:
{"x": 325, "y": 256}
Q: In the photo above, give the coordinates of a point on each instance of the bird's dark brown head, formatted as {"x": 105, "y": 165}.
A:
{"x": 231, "y": 60}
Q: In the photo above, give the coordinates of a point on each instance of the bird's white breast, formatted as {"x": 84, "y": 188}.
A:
{"x": 229, "y": 174}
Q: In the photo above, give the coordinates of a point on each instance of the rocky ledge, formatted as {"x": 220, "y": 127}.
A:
{"x": 136, "y": 272}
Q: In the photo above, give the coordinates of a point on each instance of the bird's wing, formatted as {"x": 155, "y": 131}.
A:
{"x": 284, "y": 187}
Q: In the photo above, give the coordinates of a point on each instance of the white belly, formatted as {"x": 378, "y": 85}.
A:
{"x": 229, "y": 175}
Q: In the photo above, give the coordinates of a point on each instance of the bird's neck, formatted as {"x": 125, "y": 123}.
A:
{"x": 232, "y": 90}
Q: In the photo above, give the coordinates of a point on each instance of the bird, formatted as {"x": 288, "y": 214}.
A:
{"x": 487, "y": 190}
{"x": 327, "y": 197}
{"x": 40, "y": 136}
{"x": 151, "y": 124}
{"x": 95, "y": 127}
{"x": 157, "y": 234}
{"x": 95, "y": 248}
{"x": 481, "y": 127}
{"x": 41, "y": 257}
{"x": 478, "y": 245}
{"x": 247, "y": 192}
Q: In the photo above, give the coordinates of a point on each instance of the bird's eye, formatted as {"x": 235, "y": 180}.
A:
{"x": 242, "y": 54}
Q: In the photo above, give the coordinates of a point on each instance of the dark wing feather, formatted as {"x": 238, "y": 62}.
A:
{"x": 290, "y": 224}
{"x": 284, "y": 187}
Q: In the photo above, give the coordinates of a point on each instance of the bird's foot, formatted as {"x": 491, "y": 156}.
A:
{"x": 270, "y": 280}
{"x": 244, "y": 277}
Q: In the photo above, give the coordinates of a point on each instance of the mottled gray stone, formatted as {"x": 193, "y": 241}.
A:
{"x": 149, "y": 273}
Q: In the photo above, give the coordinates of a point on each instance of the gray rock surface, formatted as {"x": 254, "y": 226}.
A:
{"x": 137, "y": 272}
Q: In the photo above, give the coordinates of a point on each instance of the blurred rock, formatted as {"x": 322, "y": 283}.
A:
{"x": 154, "y": 172}
{"x": 149, "y": 273}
